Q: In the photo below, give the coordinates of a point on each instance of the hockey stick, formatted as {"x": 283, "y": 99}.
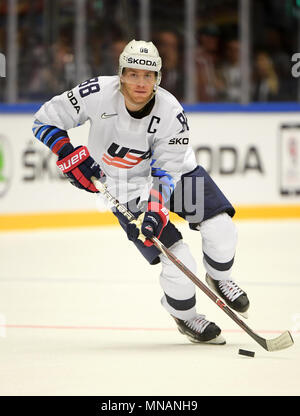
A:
{"x": 284, "y": 340}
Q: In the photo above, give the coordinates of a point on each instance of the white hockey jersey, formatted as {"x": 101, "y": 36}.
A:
{"x": 129, "y": 150}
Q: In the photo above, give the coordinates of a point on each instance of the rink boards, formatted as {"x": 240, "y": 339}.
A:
{"x": 254, "y": 157}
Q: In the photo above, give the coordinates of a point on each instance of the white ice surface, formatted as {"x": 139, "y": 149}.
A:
{"x": 83, "y": 317}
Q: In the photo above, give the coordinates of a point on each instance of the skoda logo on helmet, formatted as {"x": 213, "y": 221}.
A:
{"x": 138, "y": 61}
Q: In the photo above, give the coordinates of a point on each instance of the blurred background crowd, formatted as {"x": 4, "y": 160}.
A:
{"x": 46, "y": 46}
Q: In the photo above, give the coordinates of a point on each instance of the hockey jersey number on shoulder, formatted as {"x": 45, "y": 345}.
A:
{"x": 181, "y": 117}
{"x": 88, "y": 87}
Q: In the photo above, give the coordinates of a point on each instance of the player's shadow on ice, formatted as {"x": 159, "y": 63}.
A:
{"x": 134, "y": 348}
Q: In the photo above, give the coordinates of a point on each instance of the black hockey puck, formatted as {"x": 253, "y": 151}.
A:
{"x": 247, "y": 353}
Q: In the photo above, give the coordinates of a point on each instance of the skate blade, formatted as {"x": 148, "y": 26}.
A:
{"x": 219, "y": 340}
{"x": 244, "y": 314}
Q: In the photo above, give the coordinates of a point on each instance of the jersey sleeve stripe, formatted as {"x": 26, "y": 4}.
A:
{"x": 36, "y": 125}
{"x": 39, "y": 131}
{"x": 51, "y": 136}
{"x": 48, "y": 136}
{"x": 56, "y": 142}
{"x": 165, "y": 182}
{"x": 61, "y": 134}
{"x": 58, "y": 146}
{"x": 156, "y": 195}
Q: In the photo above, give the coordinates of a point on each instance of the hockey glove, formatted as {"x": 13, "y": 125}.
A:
{"x": 79, "y": 167}
{"x": 150, "y": 224}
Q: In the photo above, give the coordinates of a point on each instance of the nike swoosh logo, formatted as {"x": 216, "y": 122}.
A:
{"x": 105, "y": 115}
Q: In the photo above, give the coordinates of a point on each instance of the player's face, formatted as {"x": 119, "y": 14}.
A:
{"x": 137, "y": 85}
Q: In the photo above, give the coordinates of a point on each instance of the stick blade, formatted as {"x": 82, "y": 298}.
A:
{"x": 284, "y": 340}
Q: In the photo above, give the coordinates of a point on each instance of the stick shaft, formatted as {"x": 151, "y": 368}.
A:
{"x": 269, "y": 345}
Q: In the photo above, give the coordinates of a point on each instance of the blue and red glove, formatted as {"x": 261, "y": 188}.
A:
{"x": 79, "y": 167}
{"x": 150, "y": 223}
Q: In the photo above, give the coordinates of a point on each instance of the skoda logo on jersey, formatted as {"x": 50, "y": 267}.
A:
{"x": 5, "y": 165}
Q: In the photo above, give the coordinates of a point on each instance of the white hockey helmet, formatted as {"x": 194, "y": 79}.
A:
{"x": 139, "y": 54}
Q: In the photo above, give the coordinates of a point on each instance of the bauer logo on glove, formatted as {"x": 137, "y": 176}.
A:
{"x": 79, "y": 167}
{"x": 69, "y": 163}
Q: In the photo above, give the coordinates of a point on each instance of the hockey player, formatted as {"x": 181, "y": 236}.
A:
{"x": 139, "y": 145}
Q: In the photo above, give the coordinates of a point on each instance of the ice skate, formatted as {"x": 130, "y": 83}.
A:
{"x": 199, "y": 330}
{"x": 231, "y": 293}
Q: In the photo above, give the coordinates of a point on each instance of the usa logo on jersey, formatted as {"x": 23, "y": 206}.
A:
{"x": 123, "y": 157}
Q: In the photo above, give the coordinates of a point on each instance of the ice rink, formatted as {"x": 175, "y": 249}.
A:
{"x": 80, "y": 315}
